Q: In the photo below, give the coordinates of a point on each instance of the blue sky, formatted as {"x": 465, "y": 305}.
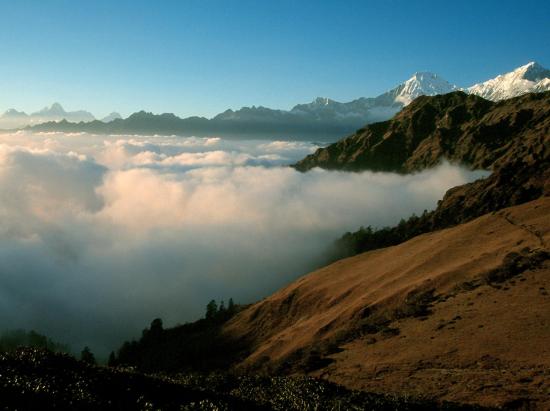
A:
{"x": 201, "y": 57}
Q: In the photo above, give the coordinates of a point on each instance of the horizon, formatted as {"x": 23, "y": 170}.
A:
{"x": 195, "y": 59}
{"x": 61, "y": 105}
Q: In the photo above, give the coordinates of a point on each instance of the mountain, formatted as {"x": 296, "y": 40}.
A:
{"x": 55, "y": 110}
{"x": 456, "y": 126}
{"x": 113, "y": 116}
{"x": 359, "y": 111}
{"x": 526, "y": 79}
{"x": 54, "y": 113}
{"x": 12, "y": 118}
{"x": 456, "y": 314}
{"x": 454, "y": 309}
{"x": 323, "y": 119}
{"x": 420, "y": 84}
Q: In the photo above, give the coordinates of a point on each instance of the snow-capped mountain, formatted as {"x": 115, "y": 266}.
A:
{"x": 322, "y": 118}
{"x": 16, "y": 119}
{"x": 525, "y": 79}
{"x": 421, "y": 84}
{"x": 355, "y": 112}
{"x": 529, "y": 78}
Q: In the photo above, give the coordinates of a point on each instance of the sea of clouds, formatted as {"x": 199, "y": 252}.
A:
{"x": 101, "y": 234}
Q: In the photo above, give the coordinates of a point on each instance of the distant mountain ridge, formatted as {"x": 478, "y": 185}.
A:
{"x": 370, "y": 109}
{"x": 112, "y": 116}
{"x": 17, "y": 119}
{"x": 323, "y": 119}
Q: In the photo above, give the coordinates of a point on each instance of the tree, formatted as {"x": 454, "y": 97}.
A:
{"x": 112, "y": 360}
{"x": 87, "y": 356}
{"x": 231, "y": 306}
{"x": 156, "y": 326}
{"x": 211, "y": 310}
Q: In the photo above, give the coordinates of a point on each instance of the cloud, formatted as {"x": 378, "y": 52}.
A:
{"x": 99, "y": 235}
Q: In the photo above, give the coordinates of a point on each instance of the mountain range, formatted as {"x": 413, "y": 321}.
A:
{"x": 323, "y": 119}
{"x": 12, "y": 118}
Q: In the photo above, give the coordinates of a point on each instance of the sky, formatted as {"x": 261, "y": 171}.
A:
{"x": 200, "y": 57}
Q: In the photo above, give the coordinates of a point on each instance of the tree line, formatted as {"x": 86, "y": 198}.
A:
{"x": 198, "y": 345}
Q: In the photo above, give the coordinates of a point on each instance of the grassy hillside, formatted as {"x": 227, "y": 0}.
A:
{"x": 381, "y": 298}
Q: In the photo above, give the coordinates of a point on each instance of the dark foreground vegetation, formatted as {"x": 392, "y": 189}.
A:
{"x": 33, "y": 379}
{"x": 12, "y": 339}
{"x": 195, "y": 346}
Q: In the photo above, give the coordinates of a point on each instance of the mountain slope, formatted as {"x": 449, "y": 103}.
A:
{"x": 531, "y": 77}
{"x": 378, "y": 299}
{"x": 460, "y": 127}
{"x": 459, "y": 312}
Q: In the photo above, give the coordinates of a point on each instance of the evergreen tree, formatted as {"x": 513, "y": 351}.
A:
{"x": 231, "y": 307}
{"x": 211, "y": 310}
{"x": 156, "y": 326}
{"x": 112, "y": 360}
{"x": 87, "y": 356}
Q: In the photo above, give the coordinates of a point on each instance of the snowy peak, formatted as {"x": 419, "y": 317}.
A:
{"x": 532, "y": 71}
{"x": 531, "y": 77}
{"x": 420, "y": 84}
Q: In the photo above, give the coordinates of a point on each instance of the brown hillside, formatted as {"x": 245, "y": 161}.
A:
{"x": 462, "y": 314}
{"x": 462, "y": 128}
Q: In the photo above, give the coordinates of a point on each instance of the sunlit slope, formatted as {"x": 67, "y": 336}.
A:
{"x": 383, "y": 307}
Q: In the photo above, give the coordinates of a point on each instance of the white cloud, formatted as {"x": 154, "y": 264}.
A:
{"x": 98, "y": 234}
